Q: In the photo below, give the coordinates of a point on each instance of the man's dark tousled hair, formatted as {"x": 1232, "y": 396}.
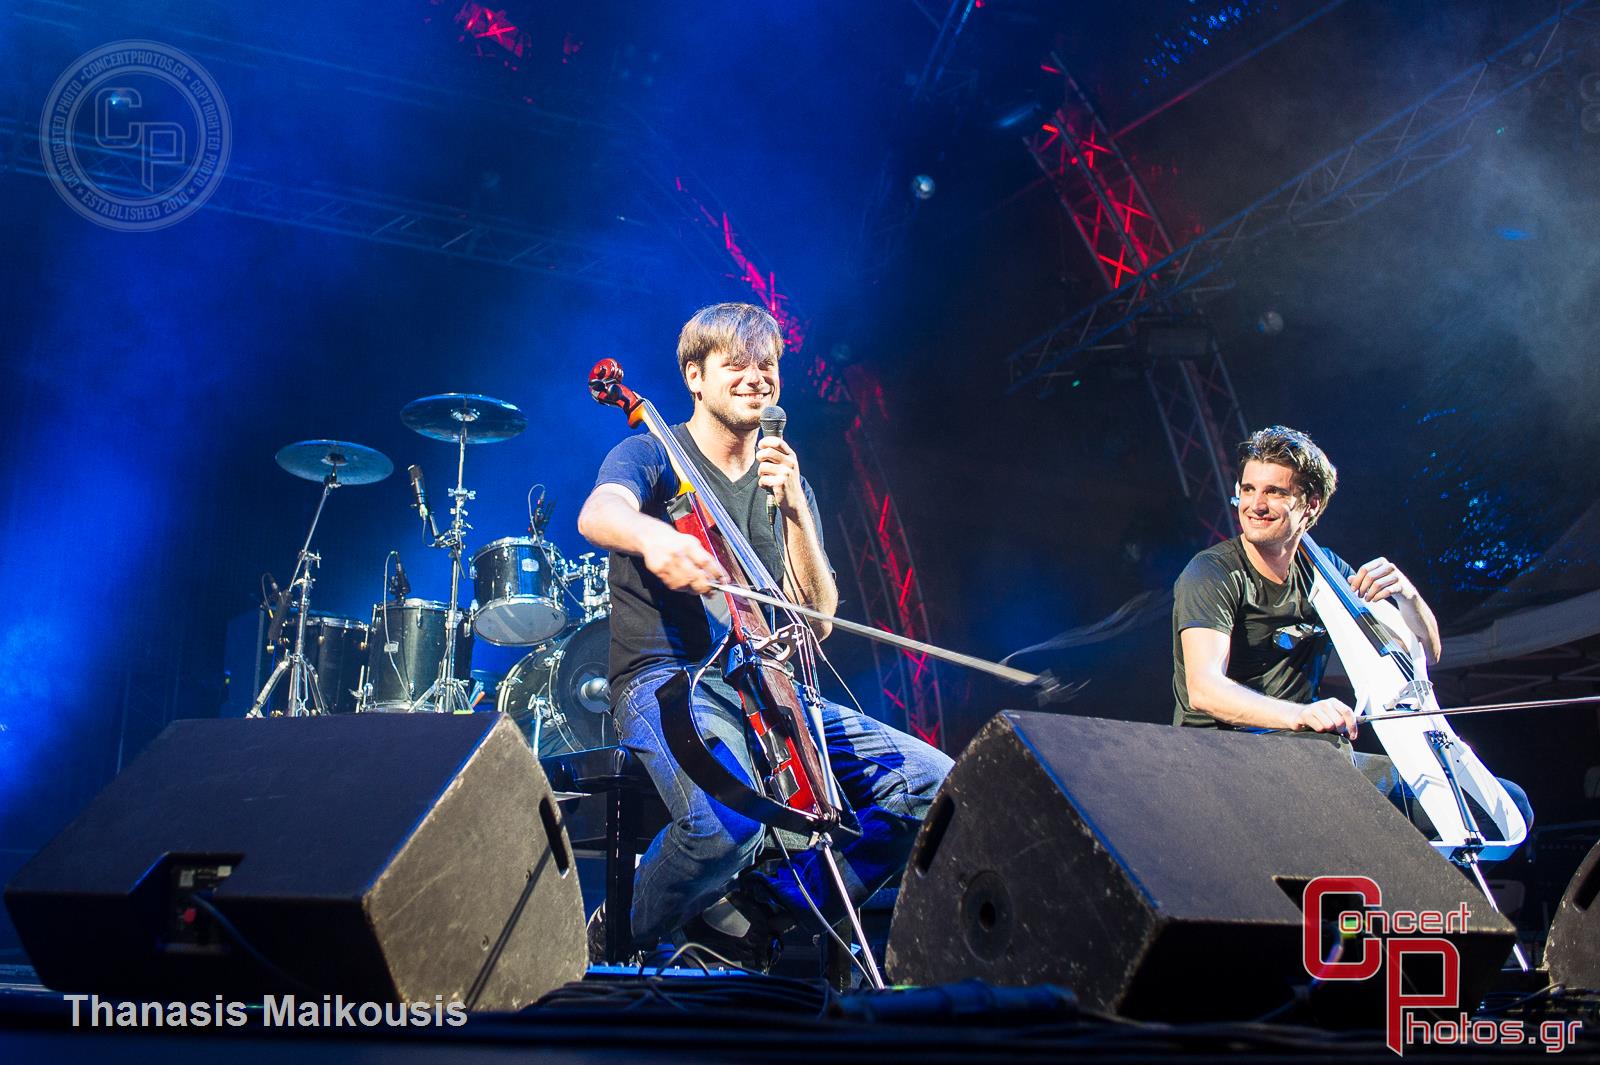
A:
{"x": 1279, "y": 444}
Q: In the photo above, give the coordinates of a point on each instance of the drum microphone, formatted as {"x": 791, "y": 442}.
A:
{"x": 420, "y": 488}
{"x": 399, "y": 584}
{"x": 773, "y": 421}
{"x": 538, "y": 517}
{"x": 277, "y": 612}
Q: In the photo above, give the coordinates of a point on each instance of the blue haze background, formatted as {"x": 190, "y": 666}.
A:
{"x": 1441, "y": 348}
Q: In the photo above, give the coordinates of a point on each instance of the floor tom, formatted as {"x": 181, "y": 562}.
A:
{"x": 406, "y": 649}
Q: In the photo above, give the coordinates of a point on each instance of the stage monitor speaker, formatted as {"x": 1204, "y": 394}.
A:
{"x": 382, "y": 857}
{"x": 1572, "y": 951}
{"x": 1158, "y": 871}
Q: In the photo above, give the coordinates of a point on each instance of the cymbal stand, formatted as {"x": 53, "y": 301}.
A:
{"x": 448, "y": 693}
{"x": 301, "y": 673}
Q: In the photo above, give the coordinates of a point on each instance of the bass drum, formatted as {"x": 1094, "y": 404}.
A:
{"x": 336, "y": 648}
{"x": 559, "y": 692}
{"x": 406, "y": 649}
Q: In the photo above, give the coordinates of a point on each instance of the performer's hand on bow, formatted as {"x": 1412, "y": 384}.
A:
{"x": 1327, "y": 715}
{"x": 779, "y": 471}
{"x": 1382, "y": 579}
{"x": 681, "y": 562}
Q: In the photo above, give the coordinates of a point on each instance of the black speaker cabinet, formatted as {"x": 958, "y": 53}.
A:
{"x": 1157, "y": 871}
{"x": 384, "y": 857}
{"x": 1572, "y": 951}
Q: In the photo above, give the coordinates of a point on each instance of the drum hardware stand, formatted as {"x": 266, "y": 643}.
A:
{"x": 302, "y": 674}
{"x": 363, "y": 690}
{"x": 448, "y": 694}
{"x": 591, "y": 581}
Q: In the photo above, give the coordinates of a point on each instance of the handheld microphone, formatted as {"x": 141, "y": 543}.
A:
{"x": 773, "y": 420}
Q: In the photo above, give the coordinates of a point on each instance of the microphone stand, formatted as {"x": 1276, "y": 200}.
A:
{"x": 448, "y": 693}
{"x": 302, "y": 674}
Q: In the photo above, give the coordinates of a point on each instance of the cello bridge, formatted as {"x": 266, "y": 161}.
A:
{"x": 781, "y": 644}
{"x": 1413, "y": 697}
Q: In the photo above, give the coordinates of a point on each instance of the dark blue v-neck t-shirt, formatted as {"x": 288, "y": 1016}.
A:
{"x": 650, "y": 624}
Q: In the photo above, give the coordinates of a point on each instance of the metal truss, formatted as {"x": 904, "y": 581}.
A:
{"x": 1113, "y": 215}
{"x": 874, "y": 537}
{"x": 439, "y": 229}
{"x": 1395, "y": 154}
{"x": 890, "y": 207}
{"x": 880, "y": 558}
{"x": 1200, "y": 414}
{"x": 944, "y": 46}
{"x": 1102, "y": 196}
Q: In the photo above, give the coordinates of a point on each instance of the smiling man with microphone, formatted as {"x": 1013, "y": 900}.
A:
{"x": 696, "y": 882}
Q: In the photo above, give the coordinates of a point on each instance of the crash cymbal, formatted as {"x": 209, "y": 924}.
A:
{"x": 441, "y": 417}
{"x": 354, "y": 463}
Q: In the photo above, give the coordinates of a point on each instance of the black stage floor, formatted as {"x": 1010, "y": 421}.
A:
{"x": 615, "y": 1015}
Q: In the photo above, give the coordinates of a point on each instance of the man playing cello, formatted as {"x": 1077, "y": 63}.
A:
{"x": 696, "y": 882}
{"x": 1248, "y": 648}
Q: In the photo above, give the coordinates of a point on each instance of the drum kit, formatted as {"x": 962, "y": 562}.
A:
{"x": 415, "y": 655}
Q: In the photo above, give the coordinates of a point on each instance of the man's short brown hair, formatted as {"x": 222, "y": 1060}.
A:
{"x": 743, "y": 330}
{"x": 1279, "y": 444}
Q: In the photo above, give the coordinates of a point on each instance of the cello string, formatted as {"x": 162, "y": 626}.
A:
{"x": 755, "y": 570}
{"x": 1532, "y": 704}
{"x": 1359, "y": 613}
{"x": 983, "y": 665}
{"x": 744, "y": 555}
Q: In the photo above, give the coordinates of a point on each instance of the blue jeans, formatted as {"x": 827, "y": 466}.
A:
{"x": 1380, "y": 770}
{"x": 888, "y": 778}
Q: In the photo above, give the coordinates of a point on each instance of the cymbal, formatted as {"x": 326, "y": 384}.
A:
{"x": 441, "y": 417}
{"x": 354, "y": 463}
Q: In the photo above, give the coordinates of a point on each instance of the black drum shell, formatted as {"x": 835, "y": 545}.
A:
{"x": 405, "y": 650}
{"x": 336, "y": 648}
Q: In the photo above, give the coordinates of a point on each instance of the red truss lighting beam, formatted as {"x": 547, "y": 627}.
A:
{"x": 1128, "y": 244}
{"x": 482, "y": 23}
{"x": 1097, "y": 187}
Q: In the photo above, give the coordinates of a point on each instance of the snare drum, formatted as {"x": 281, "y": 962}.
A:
{"x": 336, "y": 648}
{"x": 518, "y": 594}
{"x": 560, "y": 692}
{"x": 405, "y": 650}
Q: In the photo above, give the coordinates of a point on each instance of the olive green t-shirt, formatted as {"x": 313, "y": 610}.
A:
{"x": 1278, "y": 647}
